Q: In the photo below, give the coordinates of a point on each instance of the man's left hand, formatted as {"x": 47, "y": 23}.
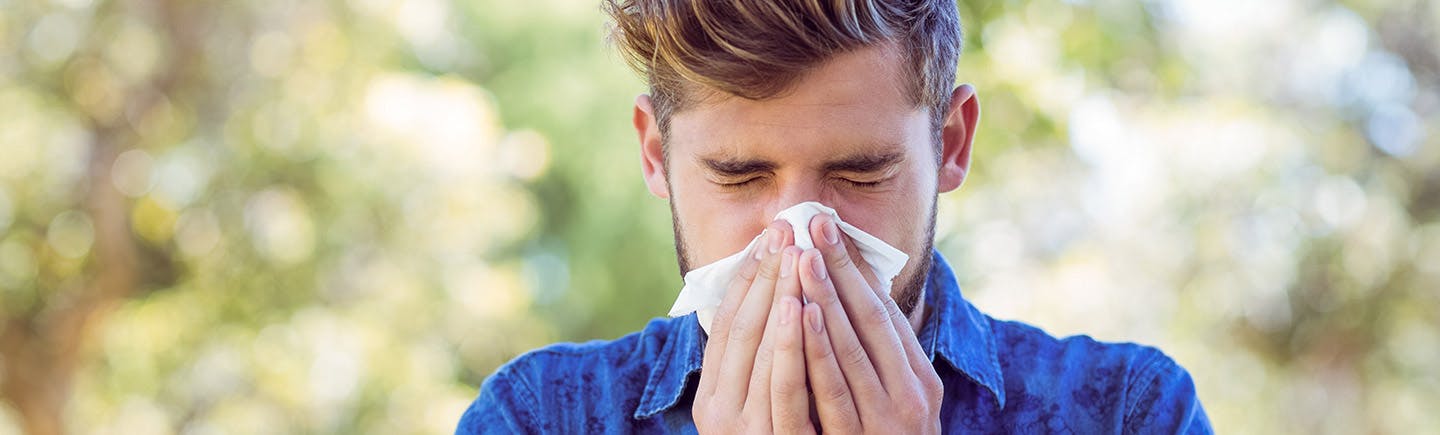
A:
{"x": 864, "y": 362}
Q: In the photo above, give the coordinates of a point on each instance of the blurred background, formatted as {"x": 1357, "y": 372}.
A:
{"x": 341, "y": 216}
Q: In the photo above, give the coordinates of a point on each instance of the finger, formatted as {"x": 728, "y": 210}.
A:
{"x": 919, "y": 362}
{"x": 921, "y": 381}
{"x": 906, "y": 333}
{"x": 789, "y": 399}
{"x": 748, "y": 325}
{"x": 757, "y": 407}
{"x": 833, "y": 401}
{"x": 758, "y": 396}
{"x": 915, "y": 355}
{"x": 784, "y": 402}
{"x": 848, "y": 352}
{"x": 872, "y": 313}
{"x": 853, "y": 250}
{"x": 789, "y": 283}
{"x": 720, "y": 325}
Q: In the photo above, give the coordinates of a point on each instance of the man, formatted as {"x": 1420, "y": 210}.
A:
{"x": 757, "y": 105}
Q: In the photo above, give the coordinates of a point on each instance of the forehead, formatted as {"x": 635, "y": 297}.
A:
{"x": 855, "y": 100}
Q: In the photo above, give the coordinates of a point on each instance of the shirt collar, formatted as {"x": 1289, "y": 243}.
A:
{"x": 677, "y": 360}
{"x": 958, "y": 333}
{"x": 954, "y": 331}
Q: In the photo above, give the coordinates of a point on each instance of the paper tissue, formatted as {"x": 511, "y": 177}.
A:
{"x": 705, "y": 286}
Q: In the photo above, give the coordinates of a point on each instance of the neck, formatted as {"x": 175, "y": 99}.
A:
{"x": 917, "y": 316}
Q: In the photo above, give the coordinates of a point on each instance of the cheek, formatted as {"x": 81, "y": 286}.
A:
{"x": 897, "y": 216}
{"x": 712, "y": 227}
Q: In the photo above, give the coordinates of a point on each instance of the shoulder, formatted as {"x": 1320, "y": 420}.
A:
{"x": 1027, "y": 347}
{"x": 1131, "y": 385}
{"x": 564, "y": 361}
{"x": 561, "y": 370}
{"x": 608, "y": 374}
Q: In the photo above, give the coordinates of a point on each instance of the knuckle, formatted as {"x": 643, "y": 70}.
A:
{"x": 787, "y": 388}
{"x": 934, "y": 389}
{"x": 831, "y": 392}
{"x": 722, "y": 317}
{"x": 877, "y": 314}
{"x": 892, "y": 309}
{"x": 764, "y": 357}
{"x": 820, "y": 350}
{"x": 914, "y": 404}
{"x": 934, "y": 394}
{"x": 852, "y": 355}
{"x": 747, "y": 271}
{"x": 840, "y": 259}
{"x": 826, "y": 296}
{"x": 910, "y": 408}
{"x": 912, "y": 414}
{"x": 742, "y": 330}
{"x": 770, "y": 270}
{"x": 701, "y": 413}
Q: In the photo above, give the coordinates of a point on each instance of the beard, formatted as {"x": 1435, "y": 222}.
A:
{"x": 906, "y": 288}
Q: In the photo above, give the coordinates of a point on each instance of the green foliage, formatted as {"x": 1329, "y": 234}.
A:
{"x": 340, "y": 217}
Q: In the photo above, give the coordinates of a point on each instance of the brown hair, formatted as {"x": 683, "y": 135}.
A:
{"x": 756, "y": 49}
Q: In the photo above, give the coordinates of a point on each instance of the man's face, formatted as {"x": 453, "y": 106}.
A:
{"x": 847, "y": 136}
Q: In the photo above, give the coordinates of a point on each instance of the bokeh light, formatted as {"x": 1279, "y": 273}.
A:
{"x": 340, "y": 217}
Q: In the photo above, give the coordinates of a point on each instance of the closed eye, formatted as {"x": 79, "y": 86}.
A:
{"x": 740, "y": 184}
{"x": 863, "y": 184}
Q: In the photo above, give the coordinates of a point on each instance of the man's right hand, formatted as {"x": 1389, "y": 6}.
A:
{"x": 752, "y": 379}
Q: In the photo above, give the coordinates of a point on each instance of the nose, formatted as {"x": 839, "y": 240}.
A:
{"x": 794, "y": 191}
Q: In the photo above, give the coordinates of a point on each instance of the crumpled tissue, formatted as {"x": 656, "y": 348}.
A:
{"x": 705, "y": 286}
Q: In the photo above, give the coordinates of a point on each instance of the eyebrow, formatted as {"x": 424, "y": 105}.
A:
{"x": 734, "y": 166}
{"x": 867, "y": 162}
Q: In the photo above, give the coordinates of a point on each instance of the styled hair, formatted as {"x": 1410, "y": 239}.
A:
{"x": 756, "y": 49}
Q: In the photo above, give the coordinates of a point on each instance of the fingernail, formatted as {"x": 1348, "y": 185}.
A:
{"x": 764, "y": 235}
{"x": 787, "y": 312}
{"x": 832, "y": 234}
{"x": 814, "y": 321}
{"x": 776, "y": 239}
{"x": 787, "y": 264}
{"x": 817, "y": 267}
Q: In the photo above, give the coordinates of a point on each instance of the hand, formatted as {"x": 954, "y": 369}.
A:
{"x": 753, "y": 374}
{"x": 864, "y": 362}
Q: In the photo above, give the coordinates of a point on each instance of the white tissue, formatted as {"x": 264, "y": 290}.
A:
{"x": 705, "y": 286}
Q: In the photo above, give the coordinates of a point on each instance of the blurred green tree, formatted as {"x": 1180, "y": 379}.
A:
{"x": 339, "y": 217}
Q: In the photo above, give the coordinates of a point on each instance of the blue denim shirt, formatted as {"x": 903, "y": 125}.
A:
{"x": 999, "y": 377}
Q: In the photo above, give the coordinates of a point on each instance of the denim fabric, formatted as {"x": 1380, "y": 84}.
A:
{"x": 999, "y": 377}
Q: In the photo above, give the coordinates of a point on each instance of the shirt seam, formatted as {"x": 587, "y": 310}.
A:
{"x": 523, "y": 393}
{"x": 1147, "y": 373}
{"x": 531, "y": 397}
{"x": 647, "y": 402}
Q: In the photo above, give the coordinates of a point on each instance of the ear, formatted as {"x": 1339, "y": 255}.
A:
{"x": 652, "y": 151}
{"x": 957, "y": 135}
